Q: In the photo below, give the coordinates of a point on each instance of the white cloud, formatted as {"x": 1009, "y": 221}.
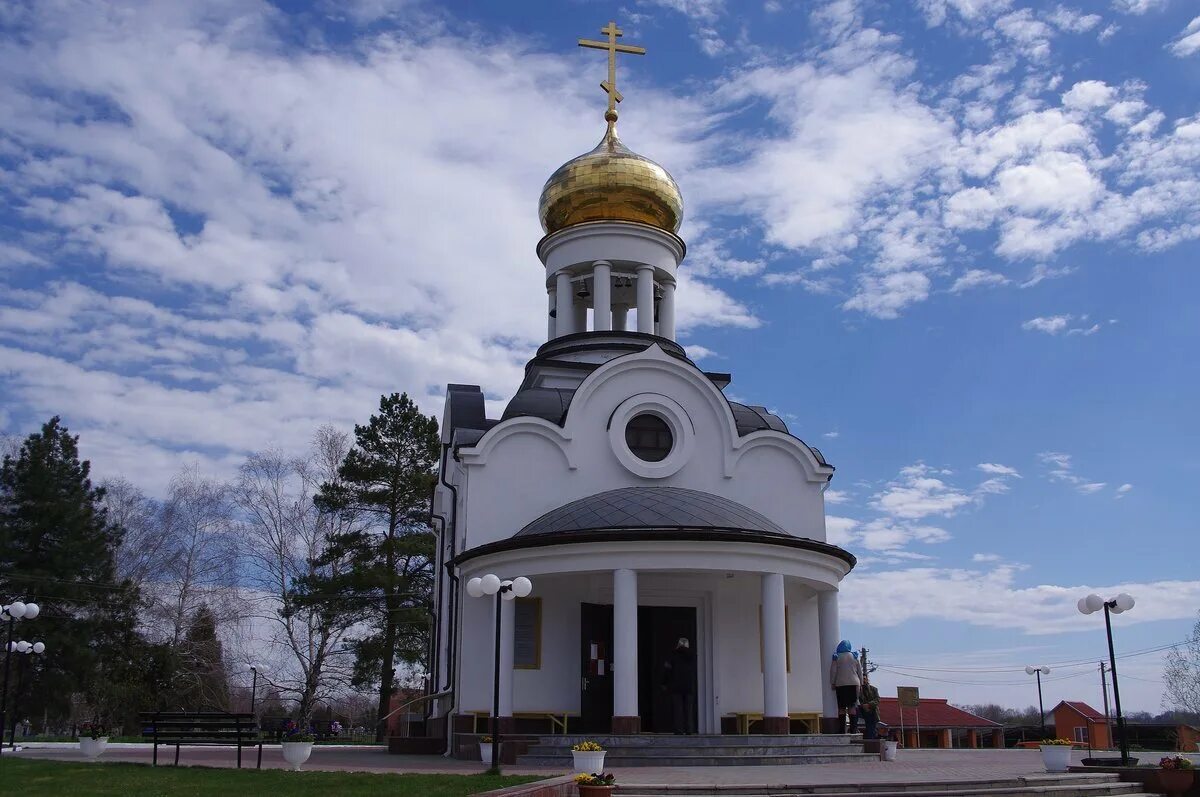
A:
{"x": 884, "y": 297}
{"x": 836, "y": 496}
{"x": 697, "y": 352}
{"x": 1073, "y": 20}
{"x": 1124, "y": 490}
{"x": 1060, "y": 468}
{"x": 978, "y": 278}
{"x": 916, "y": 494}
{"x": 986, "y": 557}
{"x": 832, "y": 435}
{"x": 1051, "y": 325}
{"x": 1088, "y": 94}
{"x": 986, "y": 597}
{"x": 1188, "y": 42}
{"x": 1138, "y": 6}
{"x": 997, "y": 469}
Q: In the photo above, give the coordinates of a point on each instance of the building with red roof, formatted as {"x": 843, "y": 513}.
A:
{"x": 1080, "y": 723}
{"x": 936, "y": 723}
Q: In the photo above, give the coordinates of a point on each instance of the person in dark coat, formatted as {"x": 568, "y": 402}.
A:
{"x": 679, "y": 679}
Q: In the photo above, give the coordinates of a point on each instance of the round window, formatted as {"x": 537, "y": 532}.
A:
{"x": 648, "y": 437}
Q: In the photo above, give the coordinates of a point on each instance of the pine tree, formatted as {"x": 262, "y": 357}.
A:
{"x": 57, "y": 549}
{"x": 384, "y": 482}
{"x": 202, "y": 675}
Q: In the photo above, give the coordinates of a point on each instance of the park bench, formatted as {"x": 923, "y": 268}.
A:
{"x": 212, "y": 728}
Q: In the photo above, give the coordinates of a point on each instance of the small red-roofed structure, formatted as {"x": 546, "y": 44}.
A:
{"x": 1080, "y": 723}
{"x": 940, "y": 725}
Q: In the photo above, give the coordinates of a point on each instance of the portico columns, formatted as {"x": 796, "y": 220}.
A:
{"x": 507, "y": 622}
{"x": 666, "y": 310}
{"x": 645, "y": 298}
{"x": 620, "y": 318}
{"x": 774, "y": 643}
{"x": 564, "y": 313}
{"x": 602, "y": 295}
{"x": 580, "y": 316}
{"x": 827, "y": 621}
{"x": 625, "y": 669}
{"x": 550, "y": 313}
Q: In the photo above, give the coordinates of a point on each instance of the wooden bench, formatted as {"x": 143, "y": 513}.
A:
{"x": 811, "y": 720}
{"x": 216, "y": 728}
{"x": 558, "y": 719}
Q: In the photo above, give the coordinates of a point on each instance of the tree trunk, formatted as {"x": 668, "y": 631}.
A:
{"x": 386, "y": 674}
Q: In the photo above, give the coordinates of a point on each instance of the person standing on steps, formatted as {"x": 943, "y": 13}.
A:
{"x": 868, "y": 708}
{"x": 679, "y": 679}
{"x": 845, "y": 678}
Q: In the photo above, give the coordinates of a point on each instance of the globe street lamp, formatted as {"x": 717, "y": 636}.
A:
{"x": 491, "y": 584}
{"x": 1122, "y": 603}
{"x": 1038, "y": 671}
{"x": 25, "y": 649}
{"x": 17, "y": 610}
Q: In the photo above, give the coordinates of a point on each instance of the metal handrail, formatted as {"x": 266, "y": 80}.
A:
{"x": 400, "y": 708}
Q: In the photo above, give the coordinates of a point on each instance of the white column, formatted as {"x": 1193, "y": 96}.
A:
{"x": 666, "y": 310}
{"x": 565, "y": 314}
{"x": 620, "y": 318}
{"x": 625, "y": 660}
{"x": 602, "y": 296}
{"x": 645, "y": 298}
{"x": 508, "y": 616}
{"x": 829, "y": 633}
{"x": 775, "y": 697}
{"x": 550, "y": 292}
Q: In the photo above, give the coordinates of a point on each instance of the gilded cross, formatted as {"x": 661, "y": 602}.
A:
{"x": 610, "y": 85}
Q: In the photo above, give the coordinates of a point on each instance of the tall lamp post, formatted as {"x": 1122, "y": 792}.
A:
{"x": 491, "y": 584}
{"x": 24, "y": 648}
{"x": 253, "y": 686}
{"x": 1122, "y": 603}
{"x": 1039, "y": 671}
{"x": 17, "y": 610}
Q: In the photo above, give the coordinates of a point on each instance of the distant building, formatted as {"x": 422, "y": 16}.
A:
{"x": 938, "y": 724}
{"x": 1080, "y": 723}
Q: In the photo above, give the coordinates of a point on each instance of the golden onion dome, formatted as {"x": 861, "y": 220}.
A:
{"x": 610, "y": 183}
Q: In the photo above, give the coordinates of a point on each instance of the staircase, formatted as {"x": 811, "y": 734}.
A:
{"x": 648, "y": 750}
{"x": 1072, "y": 785}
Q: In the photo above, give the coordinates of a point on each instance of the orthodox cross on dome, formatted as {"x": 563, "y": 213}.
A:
{"x": 610, "y": 85}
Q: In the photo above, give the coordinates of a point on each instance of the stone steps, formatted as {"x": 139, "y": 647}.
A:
{"x": 1033, "y": 786}
{"x": 705, "y": 750}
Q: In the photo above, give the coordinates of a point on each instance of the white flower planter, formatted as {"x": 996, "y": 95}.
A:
{"x": 1056, "y": 757}
{"x": 92, "y": 748}
{"x": 887, "y": 750}
{"x": 591, "y": 763}
{"x": 296, "y": 753}
{"x": 485, "y": 752}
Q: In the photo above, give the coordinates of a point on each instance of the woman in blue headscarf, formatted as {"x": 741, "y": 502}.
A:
{"x": 845, "y": 676}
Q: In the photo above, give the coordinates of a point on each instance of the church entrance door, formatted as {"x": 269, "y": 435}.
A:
{"x": 596, "y": 683}
{"x": 659, "y": 629}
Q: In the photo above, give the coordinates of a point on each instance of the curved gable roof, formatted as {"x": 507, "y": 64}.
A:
{"x": 650, "y": 508}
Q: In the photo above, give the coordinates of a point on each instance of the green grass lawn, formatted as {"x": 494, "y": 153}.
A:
{"x": 33, "y": 778}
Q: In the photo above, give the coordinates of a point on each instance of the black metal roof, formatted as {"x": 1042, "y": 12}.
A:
{"x": 650, "y": 508}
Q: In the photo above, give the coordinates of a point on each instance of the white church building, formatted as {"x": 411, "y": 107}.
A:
{"x": 644, "y": 504}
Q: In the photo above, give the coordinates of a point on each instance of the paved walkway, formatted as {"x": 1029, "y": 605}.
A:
{"x": 911, "y": 765}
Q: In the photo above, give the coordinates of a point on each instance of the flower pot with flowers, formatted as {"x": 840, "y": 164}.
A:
{"x": 485, "y": 749}
{"x": 588, "y": 756}
{"x": 1176, "y": 776}
{"x": 595, "y": 785}
{"x": 1056, "y": 754}
{"x": 93, "y": 738}
{"x": 297, "y": 744}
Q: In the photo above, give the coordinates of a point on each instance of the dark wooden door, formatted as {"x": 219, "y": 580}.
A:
{"x": 659, "y": 630}
{"x": 596, "y": 683}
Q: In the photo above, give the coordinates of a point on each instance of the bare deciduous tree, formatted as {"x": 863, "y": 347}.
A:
{"x": 1181, "y": 676}
{"x": 144, "y": 551}
{"x": 284, "y": 534}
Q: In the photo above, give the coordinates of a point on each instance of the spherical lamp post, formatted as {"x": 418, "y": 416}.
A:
{"x": 17, "y": 610}
{"x": 1039, "y": 671}
{"x": 1122, "y": 603}
{"x": 26, "y": 649}
{"x": 491, "y": 584}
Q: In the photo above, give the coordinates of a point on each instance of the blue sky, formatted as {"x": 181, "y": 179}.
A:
{"x": 953, "y": 242}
